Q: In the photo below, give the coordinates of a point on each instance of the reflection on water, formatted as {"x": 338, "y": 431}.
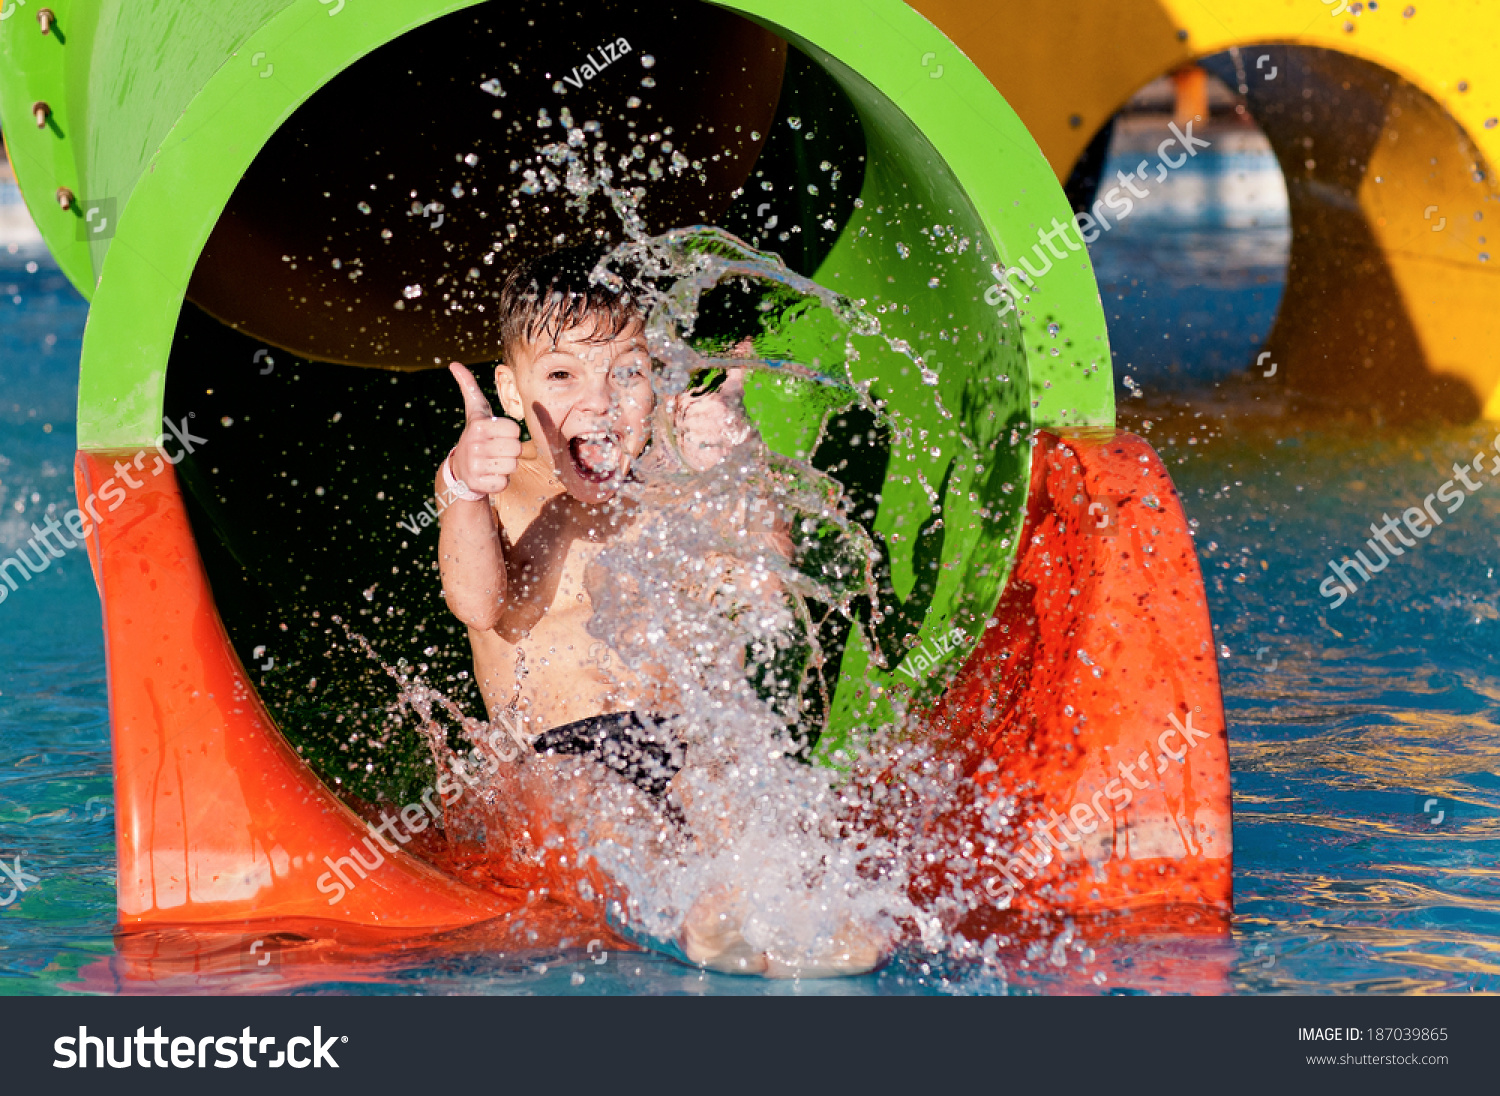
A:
{"x": 1364, "y": 747}
{"x": 1344, "y": 723}
{"x": 18, "y": 236}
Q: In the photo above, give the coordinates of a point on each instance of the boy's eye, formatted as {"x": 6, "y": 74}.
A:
{"x": 559, "y": 375}
{"x": 631, "y": 369}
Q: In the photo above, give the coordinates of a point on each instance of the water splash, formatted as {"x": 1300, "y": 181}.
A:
{"x": 718, "y": 599}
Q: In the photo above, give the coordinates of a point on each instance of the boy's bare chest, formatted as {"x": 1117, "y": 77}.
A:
{"x": 554, "y": 578}
{"x": 549, "y": 551}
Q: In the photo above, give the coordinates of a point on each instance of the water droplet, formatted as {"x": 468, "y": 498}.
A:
{"x": 471, "y": 159}
{"x": 1053, "y": 329}
{"x": 385, "y": 234}
{"x": 902, "y": 250}
{"x": 363, "y": 207}
{"x": 648, "y": 82}
{"x": 411, "y": 292}
{"x": 794, "y": 122}
{"x": 633, "y": 102}
{"x": 647, "y": 61}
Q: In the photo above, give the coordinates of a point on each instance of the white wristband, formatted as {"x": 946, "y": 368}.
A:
{"x": 457, "y": 488}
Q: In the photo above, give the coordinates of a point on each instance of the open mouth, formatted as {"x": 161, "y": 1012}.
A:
{"x": 596, "y": 457}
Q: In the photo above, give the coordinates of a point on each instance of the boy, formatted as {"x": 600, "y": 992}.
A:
{"x": 525, "y": 520}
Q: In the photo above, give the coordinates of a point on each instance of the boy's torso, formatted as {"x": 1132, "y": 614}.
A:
{"x": 541, "y": 654}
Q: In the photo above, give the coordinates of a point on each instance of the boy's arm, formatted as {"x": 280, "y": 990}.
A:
{"x": 470, "y": 557}
{"x": 709, "y": 425}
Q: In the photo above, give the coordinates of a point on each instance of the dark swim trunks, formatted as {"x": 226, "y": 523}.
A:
{"x": 639, "y": 748}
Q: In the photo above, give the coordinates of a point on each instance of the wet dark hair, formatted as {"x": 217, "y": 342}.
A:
{"x": 550, "y": 293}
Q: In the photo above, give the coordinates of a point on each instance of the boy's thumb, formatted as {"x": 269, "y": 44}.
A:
{"x": 476, "y": 406}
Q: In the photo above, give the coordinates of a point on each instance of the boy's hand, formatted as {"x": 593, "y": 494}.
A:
{"x": 710, "y": 424}
{"x": 486, "y": 453}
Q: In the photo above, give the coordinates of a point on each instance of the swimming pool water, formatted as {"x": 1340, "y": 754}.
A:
{"x": 1344, "y": 723}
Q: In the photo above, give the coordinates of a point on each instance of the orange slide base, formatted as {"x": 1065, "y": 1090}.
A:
{"x": 1101, "y": 641}
{"x": 218, "y": 820}
{"x": 1095, "y": 696}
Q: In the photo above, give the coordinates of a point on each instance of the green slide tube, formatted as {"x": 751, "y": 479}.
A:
{"x": 156, "y": 109}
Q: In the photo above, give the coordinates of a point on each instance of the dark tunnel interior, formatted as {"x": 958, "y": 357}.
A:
{"x": 325, "y": 413}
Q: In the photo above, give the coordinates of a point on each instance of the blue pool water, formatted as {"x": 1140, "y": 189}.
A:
{"x": 1344, "y": 722}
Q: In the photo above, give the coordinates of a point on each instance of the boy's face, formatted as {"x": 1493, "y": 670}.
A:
{"x": 587, "y": 403}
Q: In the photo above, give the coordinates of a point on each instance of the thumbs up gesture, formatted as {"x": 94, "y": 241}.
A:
{"x": 486, "y": 454}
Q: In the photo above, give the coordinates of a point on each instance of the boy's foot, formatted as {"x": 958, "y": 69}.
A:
{"x": 711, "y": 937}
{"x": 855, "y": 950}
